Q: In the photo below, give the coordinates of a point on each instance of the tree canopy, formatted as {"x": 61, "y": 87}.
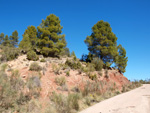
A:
{"x": 50, "y": 40}
{"x": 102, "y": 42}
{"x": 32, "y": 34}
{"x": 25, "y": 44}
{"x": 121, "y": 59}
{"x": 14, "y": 39}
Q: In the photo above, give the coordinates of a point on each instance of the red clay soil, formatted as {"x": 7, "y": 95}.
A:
{"x": 48, "y": 84}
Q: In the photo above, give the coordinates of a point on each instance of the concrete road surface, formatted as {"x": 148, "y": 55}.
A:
{"x": 135, "y": 101}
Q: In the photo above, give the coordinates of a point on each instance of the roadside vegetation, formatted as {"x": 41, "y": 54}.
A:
{"x": 24, "y": 95}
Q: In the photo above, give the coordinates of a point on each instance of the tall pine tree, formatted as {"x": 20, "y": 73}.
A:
{"x": 51, "y": 42}
{"x": 121, "y": 59}
{"x": 6, "y": 41}
{"x": 14, "y": 39}
{"x": 102, "y": 42}
{"x": 1, "y": 38}
{"x": 32, "y": 33}
{"x": 25, "y": 44}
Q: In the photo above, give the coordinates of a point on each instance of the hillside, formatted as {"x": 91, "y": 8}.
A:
{"x": 51, "y": 75}
{"x": 74, "y": 79}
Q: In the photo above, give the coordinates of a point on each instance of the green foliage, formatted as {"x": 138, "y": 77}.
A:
{"x": 3, "y": 67}
{"x": 14, "y": 39}
{"x": 25, "y": 44}
{"x": 35, "y": 67}
{"x": 87, "y": 101}
{"x": 73, "y": 64}
{"x": 11, "y": 41}
{"x": 73, "y": 100}
{"x": 1, "y": 38}
{"x": 102, "y": 42}
{"x": 73, "y": 54}
{"x": 92, "y": 76}
{"x": 90, "y": 67}
{"x": 91, "y": 88}
{"x": 65, "y": 104}
{"x": 9, "y": 53}
{"x": 31, "y": 31}
{"x": 60, "y": 80}
{"x": 65, "y": 52}
{"x": 67, "y": 73}
{"x": 31, "y": 55}
{"x": 56, "y": 69}
{"x": 121, "y": 59}
{"x": 6, "y": 41}
{"x": 42, "y": 60}
{"x": 34, "y": 85}
{"x": 51, "y": 42}
{"x": 98, "y": 64}
{"x": 87, "y": 58}
{"x": 13, "y": 95}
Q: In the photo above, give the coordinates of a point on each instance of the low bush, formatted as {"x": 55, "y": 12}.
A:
{"x": 3, "y": 67}
{"x": 92, "y": 76}
{"x": 60, "y": 80}
{"x": 65, "y": 104}
{"x": 90, "y": 67}
{"x": 56, "y": 69}
{"x": 90, "y": 88}
{"x": 35, "y": 67}
{"x": 12, "y": 93}
{"x": 98, "y": 64}
{"x": 31, "y": 55}
{"x": 9, "y": 53}
{"x": 67, "y": 73}
{"x": 73, "y": 99}
{"x": 73, "y": 64}
{"x": 42, "y": 60}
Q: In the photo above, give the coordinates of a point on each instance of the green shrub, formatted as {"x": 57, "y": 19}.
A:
{"x": 98, "y": 64}
{"x": 90, "y": 67}
{"x": 34, "y": 86}
{"x": 42, "y": 60}
{"x": 67, "y": 73}
{"x": 87, "y": 101}
{"x": 65, "y": 104}
{"x": 3, "y": 67}
{"x": 60, "y": 80}
{"x": 106, "y": 73}
{"x": 31, "y": 55}
{"x": 12, "y": 96}
{"x": 73, "y": 64}
{"x": 35, "y": 67}
{"x": 56, "y": 69}
{"x": 90, "y": 88}
{"x": 73, "y": 99}
{"x": 9, "y": 53}
{"x": 92, "y": 76}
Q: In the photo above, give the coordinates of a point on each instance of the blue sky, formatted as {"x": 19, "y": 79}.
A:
{"x": 129, "y": 19}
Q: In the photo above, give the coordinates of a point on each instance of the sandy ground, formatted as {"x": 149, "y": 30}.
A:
{"x": 135, "y": 101}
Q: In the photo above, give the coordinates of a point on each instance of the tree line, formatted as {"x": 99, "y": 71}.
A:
{"x": 47, "y": 39}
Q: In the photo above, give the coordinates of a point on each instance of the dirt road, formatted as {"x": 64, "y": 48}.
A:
{"x": 135, "y": 101}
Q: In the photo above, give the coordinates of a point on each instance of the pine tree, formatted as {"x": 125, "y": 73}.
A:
{"x": 102, "y": 42}
{"x": 25, "y": 44}
{"x": 32, "y": 33}
{"x": 1, "y": 38}
{"x": 6, "y": 41}
{"x": 51, "y": 42}
{"x": 121, "y": 59}
{"x": 14, "y": 39}
{"x": 73, "y": 54}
